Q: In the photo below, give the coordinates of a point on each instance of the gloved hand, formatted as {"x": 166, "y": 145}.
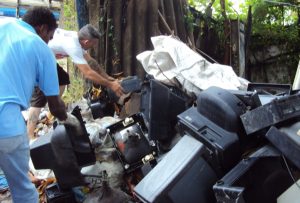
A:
{"x": 72, "y": 121}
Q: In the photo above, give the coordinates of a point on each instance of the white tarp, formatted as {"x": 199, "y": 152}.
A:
{"x": 296, "y": 83}
{"x": 172, "y": 58}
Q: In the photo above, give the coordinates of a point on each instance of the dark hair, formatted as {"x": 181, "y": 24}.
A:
{"x": 89, "y": 32}
{"x": 37, "y": 16}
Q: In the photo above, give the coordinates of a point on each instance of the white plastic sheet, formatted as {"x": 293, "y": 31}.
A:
{"x": 296, "y": 83}
{"x": 172, "y": 58}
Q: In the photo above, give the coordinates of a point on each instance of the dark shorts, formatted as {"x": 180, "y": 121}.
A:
{"x": 38, "y": 98}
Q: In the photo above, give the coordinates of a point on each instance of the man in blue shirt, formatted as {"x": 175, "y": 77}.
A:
{"x": 26, "y": 61}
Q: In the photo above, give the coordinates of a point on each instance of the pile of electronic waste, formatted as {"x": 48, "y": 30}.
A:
{"x": 219, "y": 146}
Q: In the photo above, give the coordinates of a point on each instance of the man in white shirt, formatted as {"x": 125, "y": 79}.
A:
{"x": 75, "y": 45}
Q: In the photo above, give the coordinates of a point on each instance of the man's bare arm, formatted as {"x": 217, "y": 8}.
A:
{"x": 90, "y": 74}
{"x": 57, "y": 107}
{"x": 96, "y": 66}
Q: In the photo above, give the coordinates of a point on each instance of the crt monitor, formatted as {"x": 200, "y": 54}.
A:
{"x": 160, "y": 106}
{"x": 181, "y": 176}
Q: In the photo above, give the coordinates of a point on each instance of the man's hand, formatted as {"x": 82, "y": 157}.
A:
{"x": 116, "y": 87}
{"x": 72, "y": 121}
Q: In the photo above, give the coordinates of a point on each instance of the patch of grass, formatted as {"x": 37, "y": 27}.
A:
{"x": 75, "y": 90}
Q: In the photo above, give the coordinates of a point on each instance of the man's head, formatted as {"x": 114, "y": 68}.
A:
{"x": 88, "y": 36}
{"x": 42, "y": 20}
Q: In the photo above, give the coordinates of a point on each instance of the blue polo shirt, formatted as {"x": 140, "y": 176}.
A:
{"x": 25, "y": 61}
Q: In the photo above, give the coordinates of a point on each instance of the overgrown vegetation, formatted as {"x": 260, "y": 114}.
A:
{"x": 76, "y": 89}
{"x": 273, "y": 22}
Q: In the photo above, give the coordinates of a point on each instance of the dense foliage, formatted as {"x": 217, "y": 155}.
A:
{"x": 272, "y": 22}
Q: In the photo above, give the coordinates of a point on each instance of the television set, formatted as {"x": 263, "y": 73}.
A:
{"x": 160, "y": 105}
{"x": 182, "y": 175}
{"x": 65, "y": 152}
{"x": 258, "y": 178}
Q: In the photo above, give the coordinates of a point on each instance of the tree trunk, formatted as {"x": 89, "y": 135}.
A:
{"x": 128, "y": 26}
{"x": 247, "y": 43}
{"x": 226, "y": 59}
{"x": 127, "y": 52}
{"x": 82, "y": 13}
